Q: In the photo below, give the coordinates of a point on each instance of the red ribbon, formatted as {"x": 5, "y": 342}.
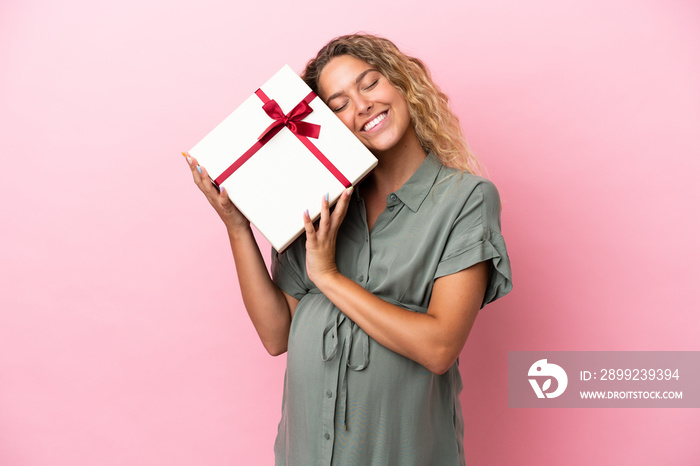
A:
{"x": 291, "y": 120}
{"x": 301, "y": 129}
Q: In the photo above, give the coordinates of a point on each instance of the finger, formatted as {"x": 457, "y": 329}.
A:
{"x": 197, "y": 177}
{"x": 196, "y": 169}
{"x": 188, "y": 158}
{"x": 341, "y": 208}
{"x": 325, "y": 221}
{"x": 197, "y": 174}
{"x": 211, "y": 187}
{"x": 223, "y": 198}
{"x": 309, "y": 228}
{"x": 191, "y": 161}
{"x": 205, "y": 183}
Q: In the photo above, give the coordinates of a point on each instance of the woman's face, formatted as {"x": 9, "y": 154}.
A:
{"x": 364, "y": 99}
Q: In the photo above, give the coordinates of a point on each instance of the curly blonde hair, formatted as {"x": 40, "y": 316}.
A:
{"x": 437, "y": 128}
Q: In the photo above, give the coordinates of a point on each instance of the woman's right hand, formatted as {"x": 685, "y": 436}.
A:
{"x": 229, "y": 213}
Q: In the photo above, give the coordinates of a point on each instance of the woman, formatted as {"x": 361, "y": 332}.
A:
{"x": 374, "y": 305}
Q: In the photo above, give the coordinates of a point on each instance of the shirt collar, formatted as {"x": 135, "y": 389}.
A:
{"x": 416, "y": 189}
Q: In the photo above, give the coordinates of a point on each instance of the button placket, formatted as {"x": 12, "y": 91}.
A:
{"x": 363, "y": 264}
{"x": 332, "y": 360}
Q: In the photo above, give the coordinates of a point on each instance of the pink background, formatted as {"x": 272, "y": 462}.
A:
{"x": 123, "y": 339}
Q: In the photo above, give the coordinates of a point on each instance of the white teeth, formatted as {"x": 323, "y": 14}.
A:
{"x": 374, "y": 122}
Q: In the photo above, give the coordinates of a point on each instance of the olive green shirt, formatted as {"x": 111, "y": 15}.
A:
{"x": 347, "y": 399}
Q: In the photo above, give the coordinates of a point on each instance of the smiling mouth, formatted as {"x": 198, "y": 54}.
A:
{"x": 371, "y": 124}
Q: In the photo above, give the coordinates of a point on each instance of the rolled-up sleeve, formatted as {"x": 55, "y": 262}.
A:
{"x": 476, "y": 237}
{"x": 286, "y": 273}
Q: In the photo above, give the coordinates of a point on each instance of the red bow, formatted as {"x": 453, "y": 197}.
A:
{"x": 301, "y": 129}
{"x": 292, "y": 120}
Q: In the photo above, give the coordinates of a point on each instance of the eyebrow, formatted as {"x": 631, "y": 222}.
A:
{"x": 359, "y": 78}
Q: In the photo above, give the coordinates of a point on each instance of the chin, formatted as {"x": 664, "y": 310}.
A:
{"x": 385, "y": 146}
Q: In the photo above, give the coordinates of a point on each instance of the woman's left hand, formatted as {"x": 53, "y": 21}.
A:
{"x": 320, "y": 241}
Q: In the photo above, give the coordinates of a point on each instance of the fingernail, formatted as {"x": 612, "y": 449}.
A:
{"x": 199, "y": 169}
{"x": 350, "y": 189}
{"x": 326, "y": 197}
{"x": 307, "y": 213}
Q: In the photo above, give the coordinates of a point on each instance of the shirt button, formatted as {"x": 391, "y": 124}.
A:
{"x": 360, "y": 278}
{"x": 326, "y": 435}
{"x": 392, "y": 197}
{"x": 329, "y": 393}
{"x": 391, "y": 209}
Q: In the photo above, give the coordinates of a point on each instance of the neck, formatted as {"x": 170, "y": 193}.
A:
{"x": 396, "y": 165}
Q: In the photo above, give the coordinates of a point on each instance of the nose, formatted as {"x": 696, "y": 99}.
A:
{"x": 363, "y": 105}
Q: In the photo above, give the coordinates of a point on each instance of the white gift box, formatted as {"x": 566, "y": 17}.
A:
{"x": 276, "y": 179}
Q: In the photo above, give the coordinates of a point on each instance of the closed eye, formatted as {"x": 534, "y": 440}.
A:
{"x": 338, "y": 109}
{"x": 374, "y": 83}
